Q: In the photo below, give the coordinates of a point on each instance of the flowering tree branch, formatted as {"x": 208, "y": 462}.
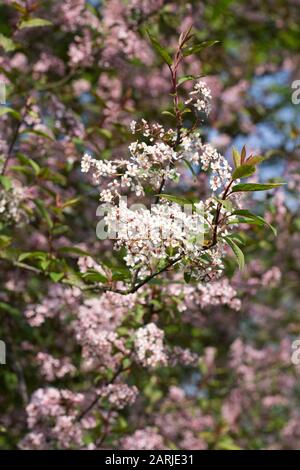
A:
{"x": 118, "y": 324}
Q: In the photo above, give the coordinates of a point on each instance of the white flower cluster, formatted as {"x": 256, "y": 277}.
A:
{"x": 152, "y": 235}
{"x": 150, "y": 163}
{"x": 221, "y": 170}
{"x": 149, "y": 346}
{"x": 201, "y": 97}
{"x": 147, "y": 164}
{"x": 209, "y": 159}
{"x": 165, "y": 231}
{"x": 148, "y": 130}
{"x": 11, "y": 208}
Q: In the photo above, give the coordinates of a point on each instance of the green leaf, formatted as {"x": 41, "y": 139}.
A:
{"x": 297, "y": 224}
{"x": 178, "y": 200}
{"x": 41, "y": 255}
{"x": 160, "y": 49}
{"x": 235, "y": 220}
{"x": 5, "y": 181}
{"x": 226, "y": 443}
{"x": 21, "y": 169}
{"x": 5, "y": 241}
{"x": 50, "y": 175}
{"x": 237, "y": 238}
{"x": 8, "y": 308}
{"x": 255, "y": 160}
{"x": 34, "y": 165}
{"x": 225, "y": 203}
{"x": 197, "y": 47}
{"x": 34, "y": 22}
{"x": 37, "y": 132}
{"x": 186, "y": 78}
{"x": 186, "y": 111}
{"x": 44, "y": 264}
{"x": 255, "y": 187}
{"x": 7, "y": 110}
{"x": 187, "y": 277}
{"x": 56, "y": 277}
{"x": 43, "y": 211}
{"x": 105, "y": 133}
{"x": 58, "y": 229}
{"x": 7, "y": 44}
{"x": 94, "y": 276}
{"x": 237, "y": 251}
{"x": 243, "y": 171}
{"x": 258, "y": 218}
{"x": 236, "y": 157}
{"x": 168, "y": 113}
{"x": 120, "y": 274}
{"x": 243, "y": 154}
{"x": 71, "y": 202}
{"x": 28, "y": 161}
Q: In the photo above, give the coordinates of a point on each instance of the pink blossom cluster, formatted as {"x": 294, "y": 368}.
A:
{"x": 57, "y": 303}
{"x": 183, "y": 356}
{"x": 96, "y": 326}
{"x": 80, "y": 51}
{"x": 218, "y": 293}
{"x": 119, "y": 395}
{"x": 122, "y": 40}
{"x": 143, "y": 439}
{"x": 52, "y": 368}
{"x": 190, "y": 298}
{"x": 178, "y": 422}
{"x": 85, "y": 263}
{"x": 56, "y": 406}
{"x": 149, "y": 347}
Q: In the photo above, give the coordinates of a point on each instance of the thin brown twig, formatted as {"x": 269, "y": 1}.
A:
{"x": 119, "y": 370}
{"x": 174, "y": 91}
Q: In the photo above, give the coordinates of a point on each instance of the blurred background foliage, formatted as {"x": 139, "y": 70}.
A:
{"x": 74, "y": 84}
